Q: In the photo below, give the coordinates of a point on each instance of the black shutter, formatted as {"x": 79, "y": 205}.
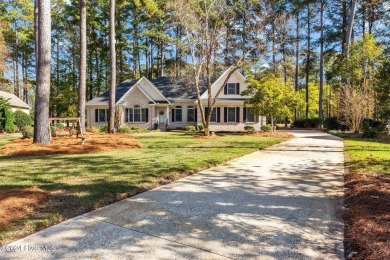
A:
{"x": 107, "y": 115}
{"x": 206, "y": 110}
{"x": 173, "y": 115}
{"x": 225, "y": 90}
{"x": 218, "y": 114}
{"x": 146, "y": 114}
{"x": 244, "y": 119}
{"x": 237, "y": 114}
{"x": 126, "y": 115}
{"x": 225, "y": 114}
{"x": 238, "y": 88}
{"x": 196, "y": 114}
{"x": 96, "y": 115}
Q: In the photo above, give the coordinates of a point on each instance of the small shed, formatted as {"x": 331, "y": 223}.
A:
{"x": 15, "y": 102}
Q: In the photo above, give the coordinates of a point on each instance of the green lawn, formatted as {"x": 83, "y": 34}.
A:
{"x": 368, "y": 155}
{"x": 84, "y": 182}
{"x": 8, "y": 138}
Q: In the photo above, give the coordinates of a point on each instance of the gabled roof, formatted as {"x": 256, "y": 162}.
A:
{"x": 168, "y": 88}
{"x": 13, "y": 100}
{"x": 121, "y": 90}
{"x": 215, "y": 86}
{"x": 177, "y": 88}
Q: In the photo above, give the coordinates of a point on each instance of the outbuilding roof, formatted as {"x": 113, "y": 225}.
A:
{"x": 13, "y": 100}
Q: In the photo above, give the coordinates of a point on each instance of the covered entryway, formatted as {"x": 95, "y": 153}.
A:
{"x": 162, "y": 117}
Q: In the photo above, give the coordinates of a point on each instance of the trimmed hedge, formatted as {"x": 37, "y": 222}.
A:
{"x": 124, "y": 130}
{"x": 332, "y": 123}
{"x": 250, "y": 128}
{"x": 307, "y": 123}
{"x": 22, "y": 119}
{"x": 28, "y": 132}
{"x": 190, "y": 128}
{"x": 266, "y": 128}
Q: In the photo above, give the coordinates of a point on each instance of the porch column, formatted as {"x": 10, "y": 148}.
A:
{"x": 167, "y": 123}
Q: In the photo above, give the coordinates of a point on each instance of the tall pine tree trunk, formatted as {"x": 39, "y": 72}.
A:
{"x": 320, "y": 110}
{"x": 296, "y": 59}
{"x": 111, "y": 120}
{"x": 350, "y": 26}
{"x": 83, "y": 63}
{"x": 41, "y": 127}
{"x": 308, "y": 60}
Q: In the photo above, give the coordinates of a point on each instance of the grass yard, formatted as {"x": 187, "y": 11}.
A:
{"x": 368, "y": 156}
{"x": 367, "y": 198}
{"x": 6, "y": 138}
{"x": 83, "y": 182}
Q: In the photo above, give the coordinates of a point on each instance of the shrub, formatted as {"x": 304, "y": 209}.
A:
{"x": 266, "y": 128}
{"x": 53, "y": 131}
{"x": 190, "y": 128}
{"x": 6, "y": 115}
{"x": 22, "y": 119}
{"x": 72, "y": 131}
{"x": 28, "y": 132}
{"x": 93, "y": 129}
{"x": 124, "y": 130}
{"x": 135, "y": 128}
{"x": 299, "y": 123}
{"x": 250, "y": 128}
{"x": 104, "y": 129}
{"x": 370, "y": 133}
{"x": 11, "y": 129}
{"x": 307, "y": 123}
{"x": 200, "y": 127}
{"x": 332, "y": 123}
{"x": 371, "y": 128}
{"x": 59, "y": 125}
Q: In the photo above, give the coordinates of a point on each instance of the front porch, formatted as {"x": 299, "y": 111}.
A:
{"x": 160, "y": 119}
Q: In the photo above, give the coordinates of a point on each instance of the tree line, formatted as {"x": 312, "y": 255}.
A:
{"x": 321, "y": 48}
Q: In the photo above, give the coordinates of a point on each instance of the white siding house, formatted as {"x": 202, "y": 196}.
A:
{"x": 171, "y": 102}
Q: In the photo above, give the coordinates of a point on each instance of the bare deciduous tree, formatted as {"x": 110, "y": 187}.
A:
{"x": 353, "y": 107}
{"x": 204, "y": 26}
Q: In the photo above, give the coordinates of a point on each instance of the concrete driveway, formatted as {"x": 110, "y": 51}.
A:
{"x": 279, "y": 203}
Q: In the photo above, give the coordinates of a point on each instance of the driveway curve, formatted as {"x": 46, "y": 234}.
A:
{"x": 283, "y": 202}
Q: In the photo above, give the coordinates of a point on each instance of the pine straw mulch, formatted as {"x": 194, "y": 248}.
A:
{"x": 270, "y": 134}
{"x": 207, "y": 137}
{"x": 367, "y": 216}
{"x": 71, "y": 145}
{"x": 17, "y": 203}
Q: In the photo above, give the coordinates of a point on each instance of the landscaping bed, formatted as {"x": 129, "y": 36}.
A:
{"x": 71, "y": 145}
{"x": 367, "y": 198}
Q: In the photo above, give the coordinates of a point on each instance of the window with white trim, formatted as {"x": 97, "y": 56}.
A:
{"x": 232, "y": 89}
{"x": 178, "y": 114}
{"x": 136, "y": 114}
{"x": 101, "y": 115}
{"x": 231, "y": 114}
{"x": 250, "y": 115}
{"x": 191, "y": 114}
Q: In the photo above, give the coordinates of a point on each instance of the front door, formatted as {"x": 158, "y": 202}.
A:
{"x": 162, "y": 115}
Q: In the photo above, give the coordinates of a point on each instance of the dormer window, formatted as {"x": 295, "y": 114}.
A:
{"x": 232, "y": 89}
